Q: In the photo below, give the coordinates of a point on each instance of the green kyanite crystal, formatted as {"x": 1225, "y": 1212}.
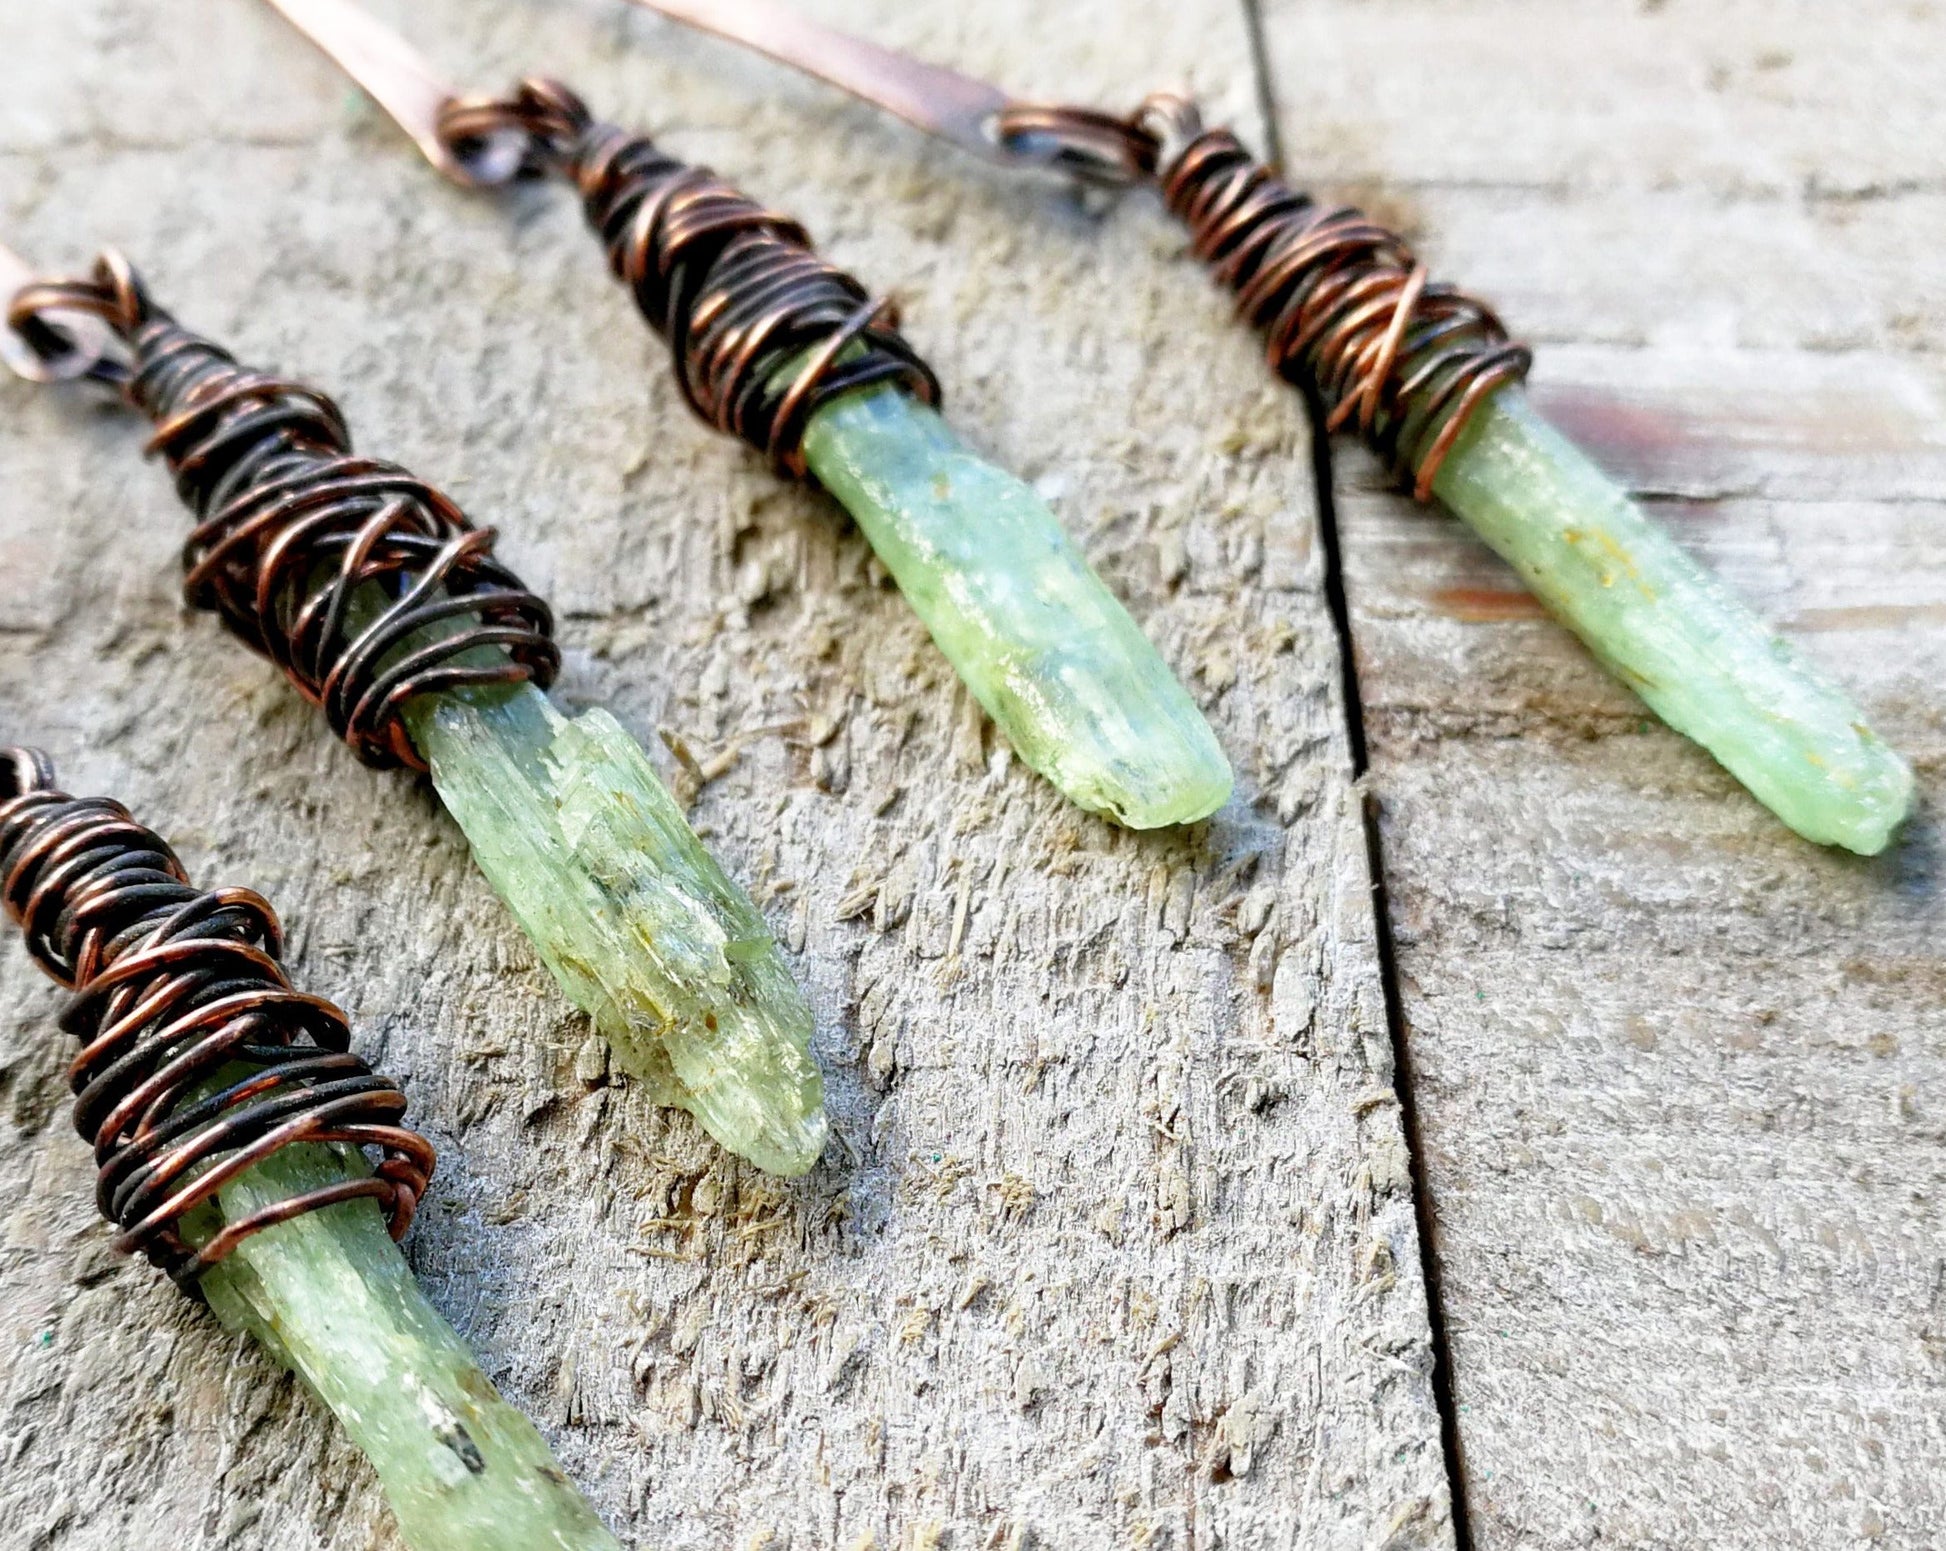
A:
{"x": 333, "y": 1300}
{"x": 1670, "y": 630}
{"x": 1080, "y": 692}
{"x": 636, "y": 920}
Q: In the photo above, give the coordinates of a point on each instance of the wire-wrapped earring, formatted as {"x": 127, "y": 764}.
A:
{"x": 772, "y": 344}
{"x": 1430, "y": 379}
{"x": 386, "y": 608}
{"x": 247, "y": 1152}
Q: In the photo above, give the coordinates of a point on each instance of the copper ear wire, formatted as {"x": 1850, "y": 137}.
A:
{"x": 292, "y": 524}
{"x": 174, "y": 988}
{"x": 734, "y": 288}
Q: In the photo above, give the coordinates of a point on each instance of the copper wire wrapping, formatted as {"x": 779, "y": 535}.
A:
{"x": 291, "y": 525}
{"x": 1346, "y": 307}
{"x": 198, "y": 1060}
{"x": 734, "y": 288}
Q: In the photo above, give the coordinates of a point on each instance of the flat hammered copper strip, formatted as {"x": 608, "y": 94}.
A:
{"x": 177, "y": 990}
{"x": 291, "y": 524}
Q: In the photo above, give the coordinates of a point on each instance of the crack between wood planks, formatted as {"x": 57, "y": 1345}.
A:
{"x": 1403, "y": 1081}
{"x": 1262, "y": 82}
{"x": 1354, "y": 703}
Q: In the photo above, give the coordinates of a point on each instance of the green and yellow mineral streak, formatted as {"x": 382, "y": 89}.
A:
{"x": 331, "y": 1298}
{"x": 1670, "y": 630}
{"x": 640, "y": 926}
{"x": 1044, "y": 646}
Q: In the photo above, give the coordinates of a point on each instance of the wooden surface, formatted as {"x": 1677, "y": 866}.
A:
{"x": 1679, "y": 1076}
{"x": 1116, "y": 1242}
{"x": 1118, "y": 1245}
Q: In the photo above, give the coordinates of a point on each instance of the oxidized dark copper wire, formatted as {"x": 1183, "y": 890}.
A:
{"x": 178, "y": 991}
{"x": 734, "y": 288}
{"x": 1346, "y": 307}
{"x": 291, "y": 524}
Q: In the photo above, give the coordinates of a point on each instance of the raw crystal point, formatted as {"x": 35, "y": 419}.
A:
{"x": 1080, "y": 692}
{"x": 636, "y": 920}
{"x": 1670, "y": 630}
{"x": 331, "y": 1297}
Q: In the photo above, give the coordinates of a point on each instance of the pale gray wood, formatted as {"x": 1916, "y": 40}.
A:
{"x": 1116, "y": 1243}
{"x": 1678, "y": 1075}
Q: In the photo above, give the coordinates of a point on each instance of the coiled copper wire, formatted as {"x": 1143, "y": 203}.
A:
{"x": 1346, "y": 307}
{"x": 198, "y": 1060}
{"x": 291, "y": 524}
{"x": 735, "y": 289}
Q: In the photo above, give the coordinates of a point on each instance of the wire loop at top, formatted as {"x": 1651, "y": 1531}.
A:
{"x": 1347, "y": 309}
{"x": 365, "y": 584}
{"x": 761, "y": 331}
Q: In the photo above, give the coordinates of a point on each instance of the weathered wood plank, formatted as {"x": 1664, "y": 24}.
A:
{"x": 1116, "y": 1245}
{"x": 1676, "y": 1072}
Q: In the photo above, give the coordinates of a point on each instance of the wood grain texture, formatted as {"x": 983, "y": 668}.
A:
{"x": 1116, "y": 1243}
{"x": 1678, "y": 1074}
